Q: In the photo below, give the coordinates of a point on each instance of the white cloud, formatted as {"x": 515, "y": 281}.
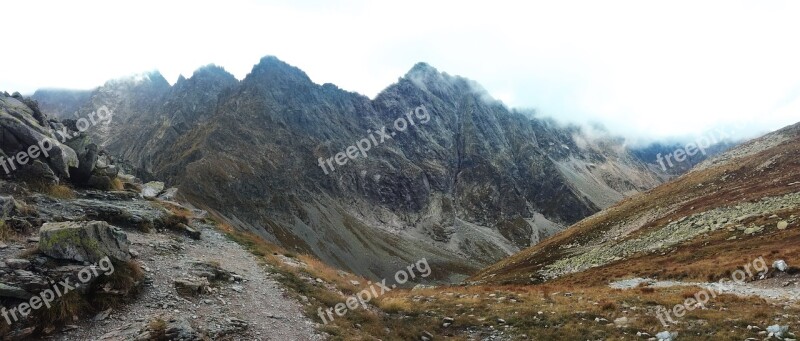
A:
{"x": 645, "y": 69}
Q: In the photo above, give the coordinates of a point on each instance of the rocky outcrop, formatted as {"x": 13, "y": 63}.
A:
{"x": 38, "y": 148}
{"x": 84, "y": 242}
{"x": 24, "y": 137}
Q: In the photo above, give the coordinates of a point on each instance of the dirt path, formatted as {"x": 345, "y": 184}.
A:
{"x": 258, "y": 300}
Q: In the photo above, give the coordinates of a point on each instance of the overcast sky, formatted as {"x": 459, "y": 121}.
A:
{"x": 644, "y": 69}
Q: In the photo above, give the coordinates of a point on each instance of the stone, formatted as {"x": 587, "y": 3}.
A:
{"x": 152, "y": 189}
{"x": 7, "y": 206}
{"x": 777, "y": 331}
{"x": 84, "y": 241}
{"x": 169, "y": 194}
{"x": 100, "y": 182}
{"x": 191, "y": 286}
{"x": 40, "y": 171}
{"x": 18, "y": 263}
{"x": 13, "y": 292}
{"x": 780, "y": 265}
{"x": 666, "y": 336}
{"x": 783, "y": 225}
{"x": 752, "y": 230}
{"x": 209, "y": 270}
{"x": 192, "y": 233}
{"x": 621, "y": 322}
{"x": 87, "y": 155}
{"x": 447, "y": 322}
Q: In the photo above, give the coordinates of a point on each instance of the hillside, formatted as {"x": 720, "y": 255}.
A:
{"x": 739, "y": 205}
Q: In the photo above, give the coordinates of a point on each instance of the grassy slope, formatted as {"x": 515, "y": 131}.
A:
{"x": 767, "y": 173}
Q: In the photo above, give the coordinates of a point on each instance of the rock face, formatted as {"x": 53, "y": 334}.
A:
{"x": 469, "y": 183}
{"x": 84, "y": 242}
{"x": 22, "y": 126}
{"x": 38, "y": 148}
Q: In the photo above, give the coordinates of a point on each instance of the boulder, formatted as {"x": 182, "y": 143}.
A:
{"x": 152, "y": 189}
{"x": 169, "y": 194}
{"x": 666, "y": 336}
{"x": 102, "y": 183}
{"x": 783, "y": 225}
{"x": 40, "y": 171}
{"x": 21, "y": 130}
{"x": 780, "y": 265}
{"x": 192, "y": 286}
{"x": 7, "y": 206}
{"x": 192, "y": 233}
{"x": 88, "y": 158}
{"x": 16, "y": 263}
{"x": 84, "y": 241}
{"x": 210, "y": 270}
{"x": 777, "y": 331}
{"x": 13, "y": 292}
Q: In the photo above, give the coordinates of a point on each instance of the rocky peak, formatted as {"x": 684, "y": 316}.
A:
{"x": 272, "y": 70}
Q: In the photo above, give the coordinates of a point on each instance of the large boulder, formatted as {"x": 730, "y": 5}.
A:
{"x": 20, "y": 130}
{"x": 152, "y": 189}
{"x": 84, "y": 241}
{"x": 87, "y": 155}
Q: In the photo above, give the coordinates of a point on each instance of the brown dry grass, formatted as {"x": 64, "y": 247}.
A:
{"x": 568, "y": 307}
{"x": 57, "y": 191}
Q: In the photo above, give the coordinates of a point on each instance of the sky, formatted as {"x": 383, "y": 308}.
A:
{"x": 644, "y": 69}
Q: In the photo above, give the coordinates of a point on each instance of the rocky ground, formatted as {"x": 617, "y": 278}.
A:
{"x": 737, "y": 220}
{"x": 197, "y": 284}
{"x": 250, "y": 306}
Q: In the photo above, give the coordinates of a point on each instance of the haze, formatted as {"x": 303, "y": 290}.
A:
{"x": 643, "y": 69}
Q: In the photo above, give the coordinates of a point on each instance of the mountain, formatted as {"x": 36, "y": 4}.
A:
{"x": 660, "y": 156}
{"x": 735, "y": 207}
{"x": 466, "y": 183}
{"x": 61, "y": 103}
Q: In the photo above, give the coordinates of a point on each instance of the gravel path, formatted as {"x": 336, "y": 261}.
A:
{"x": 257, "y": 300}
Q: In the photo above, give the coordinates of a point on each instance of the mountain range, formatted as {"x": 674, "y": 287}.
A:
{"x": 476, "y": 183}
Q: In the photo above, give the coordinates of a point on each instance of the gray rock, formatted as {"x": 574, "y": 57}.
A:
{"x": 778, "y": 331}
{"x": 18, "y": 263}
{"x": 667, "y": 336}
{"x": 191, "y": 286}
{"x": 780, "y": 265}
{"x": 87, "y": 155}
{"x": 7, "y": 206}
{"x": 192, "y": 233}
{"x": 152, "y": 189}
{"x": 169, "y": 194}
{"x": 13, "y": 292}
{"x": 210, "y": 270}
{"x": 40, "y": 171}
{"x": 84, "y": 241}
{"x": 783, "y": 225}
{"x": 102, "y": 183}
